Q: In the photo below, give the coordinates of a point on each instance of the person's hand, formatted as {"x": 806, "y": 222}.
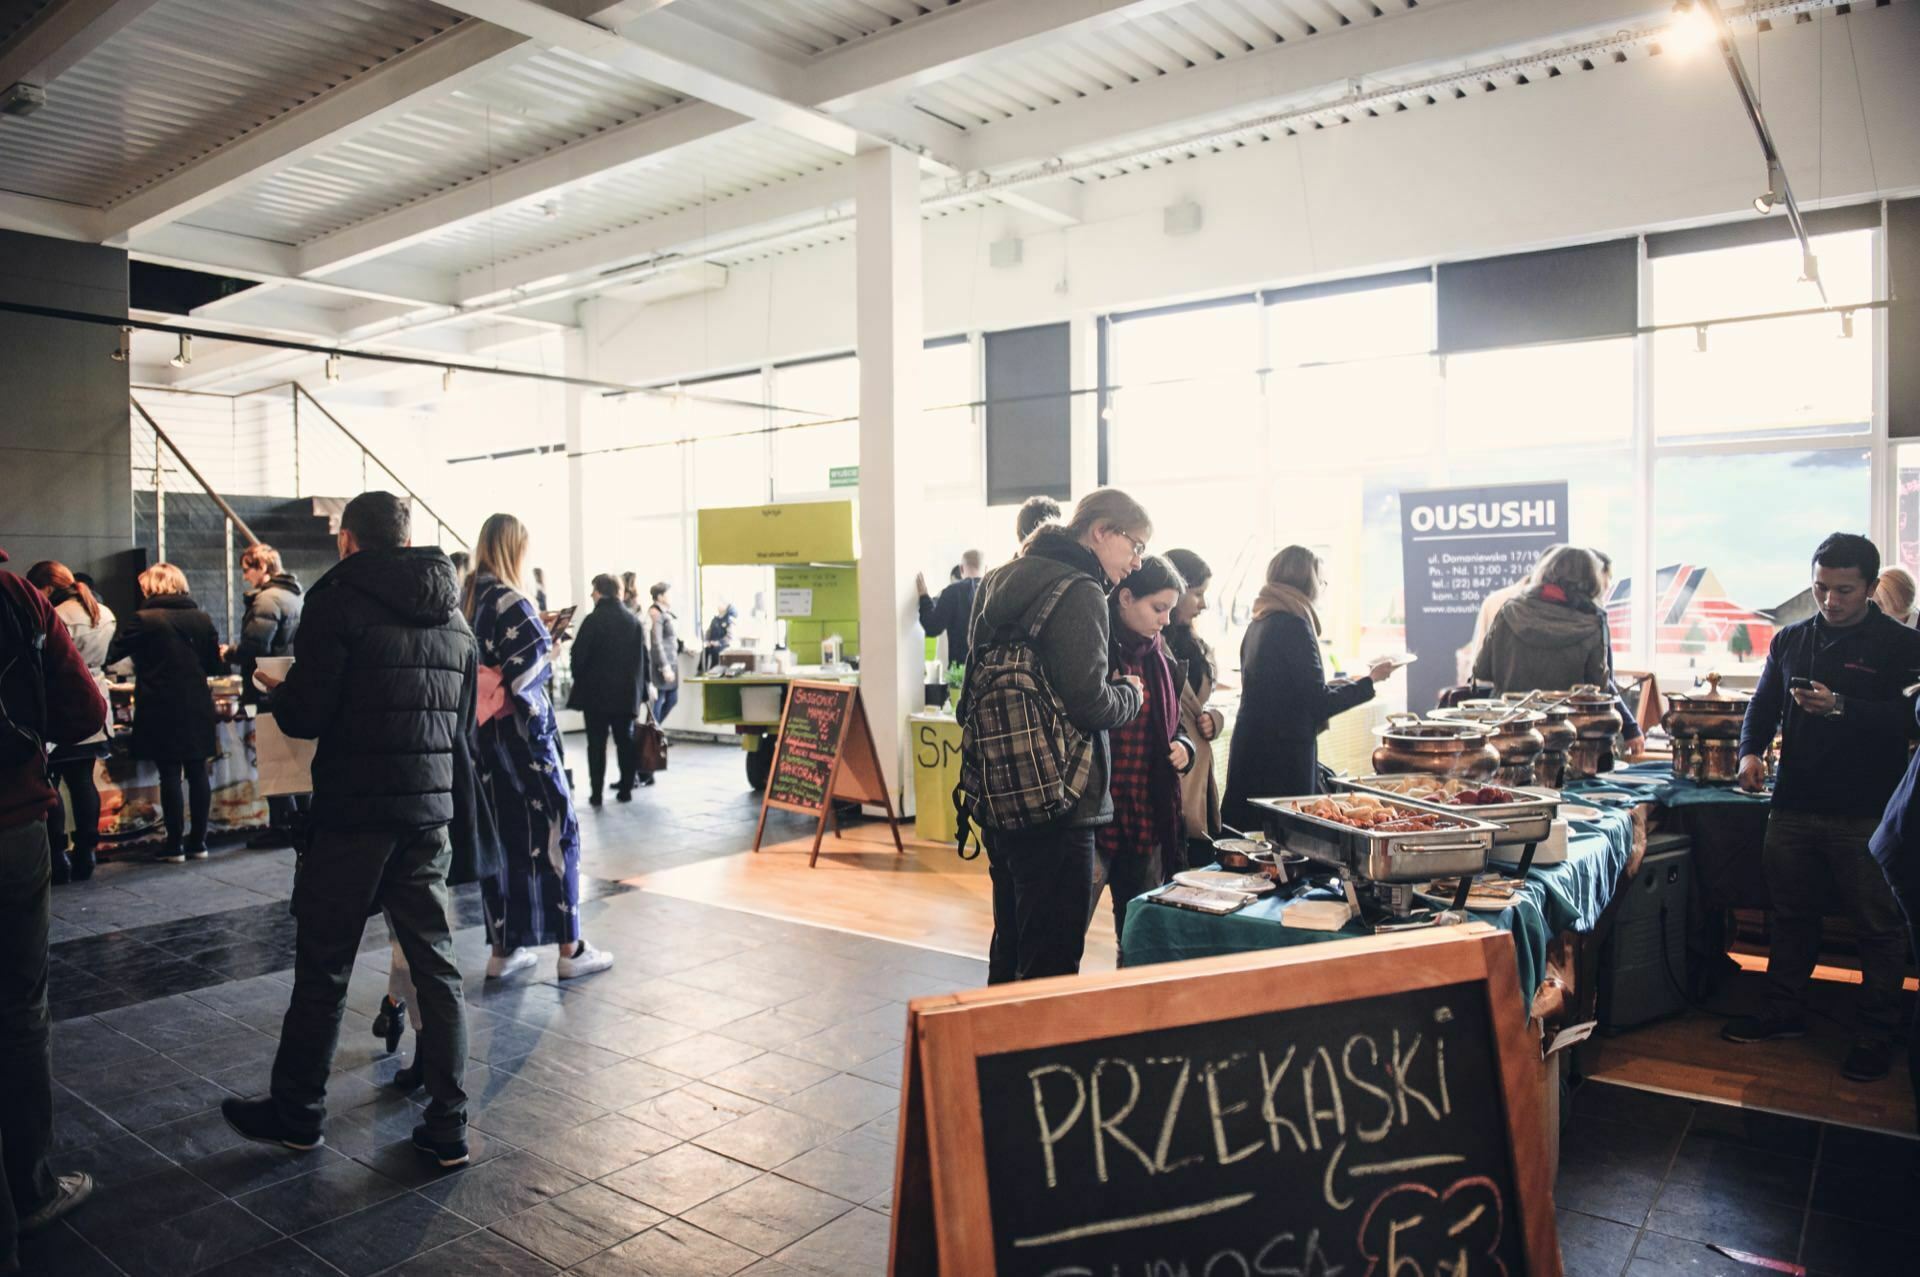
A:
{"x": 1753, "y": 773}
{"x": 1179, "y": 755}
{"x": 1134, "y": 679}
{"x": 1209, "y": 724}
{"x": 920, "y": 582}
{"x": 266, "y": 681}
{"x": 1382, "y": 671}
{"x": 1817, "y": 700}
{"x": 1633, "y": 747}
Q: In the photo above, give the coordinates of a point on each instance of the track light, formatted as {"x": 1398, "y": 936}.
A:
{"x": 185, "y": 356}
{"x": 125, "y": 351}
{"x": 1768, "y": 200}
{"x": 333, "y": 367}
{"x": 1846, "y": 325}
{"x": 1700, "y": 338}
{"x": 1692, "y": 28}
{"x": 446, "y": 380}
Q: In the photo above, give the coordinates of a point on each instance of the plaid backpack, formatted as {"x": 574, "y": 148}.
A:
{"x": 1022, "y": 763}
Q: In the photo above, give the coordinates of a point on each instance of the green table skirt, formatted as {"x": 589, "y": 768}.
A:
{"x": 1654, "y": 782}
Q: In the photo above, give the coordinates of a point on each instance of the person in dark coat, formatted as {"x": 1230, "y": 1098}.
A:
{"x": 1042, "y": 877}
{"x": 386, "y": 684}
{"x": 174, "y": 651}
{"x": 1286, "y": 699}
{"x": 952, "y": 612}
{"x": 268, "y": 629}
{"x": 609, "y": 686}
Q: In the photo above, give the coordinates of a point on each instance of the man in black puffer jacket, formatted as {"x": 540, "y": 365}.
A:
{"x": 385, "y": 683}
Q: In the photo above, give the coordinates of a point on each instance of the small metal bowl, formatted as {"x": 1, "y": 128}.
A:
{"x": 1243, "y": 855}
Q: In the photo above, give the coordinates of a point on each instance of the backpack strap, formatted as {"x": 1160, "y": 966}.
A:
{"x": 1038, "y": 617}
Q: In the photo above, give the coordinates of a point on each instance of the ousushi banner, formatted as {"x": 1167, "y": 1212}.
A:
{"x": 1457, "y": 546}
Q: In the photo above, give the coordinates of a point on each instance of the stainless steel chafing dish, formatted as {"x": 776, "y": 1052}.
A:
{"x": 1528, "y": 820}
{"x": 1459, "y": 847}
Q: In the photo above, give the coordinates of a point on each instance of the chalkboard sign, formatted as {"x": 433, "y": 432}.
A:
{"x": 825, "y": 751}
{"x": 1372, "y": 1112}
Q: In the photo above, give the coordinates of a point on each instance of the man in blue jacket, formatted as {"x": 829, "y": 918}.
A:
{"x": 1833, "y": 687}
{"x": 1896, "y": 845}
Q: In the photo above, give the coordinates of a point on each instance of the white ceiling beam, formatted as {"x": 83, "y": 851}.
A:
{"x": 1381, "y": 51}
{"x": 426, "y": 72}
{"x": 1057, "y": 204}
{"x": 60, "y": 35}
{"x": 53, "y": 218}
{"x": 688, "y": 69}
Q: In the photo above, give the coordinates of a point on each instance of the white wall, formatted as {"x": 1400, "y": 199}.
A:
{"x": 1652, "y": 143}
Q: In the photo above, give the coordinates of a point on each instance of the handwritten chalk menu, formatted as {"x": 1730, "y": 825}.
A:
{"x": 825, "y": 751}
{"x": 1374, "y": 1112}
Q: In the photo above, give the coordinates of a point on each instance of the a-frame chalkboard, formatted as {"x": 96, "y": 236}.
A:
{"x": 1371, "y": 1109}
{"x": 825, "y": 751}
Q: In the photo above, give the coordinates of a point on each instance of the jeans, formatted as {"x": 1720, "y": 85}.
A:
{"x": 77, "y": 775}
{"x": 342, "y": 877}
{"x": 26, "y": 1063}
{"x": 598, "y": 726}
{"x": 664, "y": 703}
{"x": 1805, "y": 856}
{"x": 199, "y": 800}
{"x": 1042, "y": 902}
{"x": 1128, "y": 873}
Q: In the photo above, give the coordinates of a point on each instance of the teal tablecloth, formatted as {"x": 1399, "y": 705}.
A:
{"x": 1569, "y": 896}
{"x": 1654, "y": 782}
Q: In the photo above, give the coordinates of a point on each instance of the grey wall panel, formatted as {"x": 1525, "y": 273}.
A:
{"x": 1903, "y": 319}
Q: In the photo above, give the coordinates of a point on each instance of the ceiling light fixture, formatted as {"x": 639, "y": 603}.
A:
{"x": 1700, "y": 338}
{"x": 1846, "y": 325}
{"x": 1769, "y": 199}
{"x": 185, "y": 356}
{"x": 333, "y": 367}
{"x": 446, "y": 380}
{"x": 1692, "y": 28}
{"x": 125, "y": 351}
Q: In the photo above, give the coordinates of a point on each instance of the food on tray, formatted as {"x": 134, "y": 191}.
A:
{"x": 1371, "y": 814}
{"x": 1454, "y": 793}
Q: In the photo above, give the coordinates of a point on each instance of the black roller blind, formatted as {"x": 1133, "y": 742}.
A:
{"x": 1903, "y": 319}
{"x": 1029, "y": 414}
{"x": 1563, "y": 294}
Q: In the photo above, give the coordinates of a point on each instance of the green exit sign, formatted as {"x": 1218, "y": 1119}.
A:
{"x": 843, "y": 477}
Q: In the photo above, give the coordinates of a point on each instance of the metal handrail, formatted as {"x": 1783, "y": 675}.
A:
{"x": 191, "y": 469}
{"x": 367, "y": 452}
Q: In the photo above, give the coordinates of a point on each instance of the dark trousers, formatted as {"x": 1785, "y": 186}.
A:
{"x": 77, "y": 775}
{"x": 1806, "y": 856}
{"x": 199, "y": 800}
{"x": 598, "y": 727}
{"x": 664, "y": 703}
{"x": 1126, "y": 873}
{"x": 1907, "y": 896}
{"x": 285, "y": 810}
{"x": 26, "y": 1099}
{"x": 344, "y": 876}
{"x": 1042, "y": 902}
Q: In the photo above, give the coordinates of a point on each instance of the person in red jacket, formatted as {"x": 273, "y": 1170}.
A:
{"x": 47, "y": 697}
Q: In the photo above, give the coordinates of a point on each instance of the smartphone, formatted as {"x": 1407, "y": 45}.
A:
{"x": 1800, "y": 684}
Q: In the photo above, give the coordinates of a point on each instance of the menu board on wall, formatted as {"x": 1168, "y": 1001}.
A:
{"x": 1457, "y": 546}
{"x": 825, "y": 751}
{"x": 1383, "y": 1116}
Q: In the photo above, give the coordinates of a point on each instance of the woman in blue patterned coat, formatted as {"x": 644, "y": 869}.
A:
{"x": 535, "y": 899}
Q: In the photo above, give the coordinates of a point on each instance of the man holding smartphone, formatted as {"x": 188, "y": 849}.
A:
{"x": 1833, "y": 687}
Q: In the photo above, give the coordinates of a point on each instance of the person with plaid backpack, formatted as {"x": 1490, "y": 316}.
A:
{"x": 1034, "y": 713}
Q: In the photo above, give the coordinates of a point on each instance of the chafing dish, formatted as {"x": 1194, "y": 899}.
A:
{"x": 1557, "y": 733}
{"x": 1705, "y": 730}
{"x": 1528, "y": 820}
{"x": 1459, "y": 846}
{"x": 1516, "y": 738}
{"x": 1596, "y": 722}
{"x": 1411, "y": 744}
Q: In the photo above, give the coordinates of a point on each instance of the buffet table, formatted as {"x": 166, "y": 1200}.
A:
{"x": 1569, "y": 896}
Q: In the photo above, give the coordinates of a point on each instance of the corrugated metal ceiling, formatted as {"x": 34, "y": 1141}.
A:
{"x": 800, "y": 29}
{"x": 189, "y": 75}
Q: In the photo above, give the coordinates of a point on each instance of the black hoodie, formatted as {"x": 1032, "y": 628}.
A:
{"x": 385, "y": 683}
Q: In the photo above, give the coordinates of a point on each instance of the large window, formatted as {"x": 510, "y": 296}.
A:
{"x": 1187, "y": 392}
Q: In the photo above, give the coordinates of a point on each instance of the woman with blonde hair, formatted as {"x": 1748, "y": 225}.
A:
{"x": 91, "y": 624}
{"x": 1894, "y": 592}
{"x": 535, "y": 899}
{"x": 1052, "y": 600}
{"x": 173, "y": 650}
{"x": 1286, "y": 700}
{"x": 1554, "y": 636}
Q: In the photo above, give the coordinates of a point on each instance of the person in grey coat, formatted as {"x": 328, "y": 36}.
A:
{"x": 273, "y": 618}
{"x": 1554, "y": 636}
{"x": 663, "y": 652}
{"x": 1043, "y": 878}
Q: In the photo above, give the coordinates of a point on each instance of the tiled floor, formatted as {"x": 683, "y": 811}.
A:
{"x": 722, "y": 1101}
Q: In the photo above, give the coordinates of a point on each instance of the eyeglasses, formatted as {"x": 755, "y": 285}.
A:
{"x": 1139, "y": 548}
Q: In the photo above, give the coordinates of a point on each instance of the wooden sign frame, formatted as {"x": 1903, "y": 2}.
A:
{"x": 942, "y": 1220}
{"x": 854, "y": 773}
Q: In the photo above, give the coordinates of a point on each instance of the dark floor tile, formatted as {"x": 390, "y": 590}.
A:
{"x": 768, "y": 1137}
{"x": 164, "y": 1104}
{"x": 578, "y": 1224}
{"x": 128, "y": 1077}
{"x": 1725, "y": 1216}
{"x": 1592, "y": 1247}
{"x": 1835, "y": 1245}
{"x": 144, "y": 1202}
{"x": 481, "y": 1254}
{"x": 61, "y": 1009}
{"x": 248, "y": 1167}
{"x": 113, "y": 1163}
{"x": 844, "y": 1101}
{"x": 852, "y": 1167}
{"x": 186, "y": 1243}
{"x": 505, "y": 1186}
{"x": 673, "y": 1249}
{"x": 680, "y": 1178}
{"x": 1628, "y": 1104}
{"x": 379, "y": 1237}
{"x": 1658, "y": 1255}
{"x": 1869, "y": 1150}
{"x": 60, "y": 1252}
{"x": 284, "y": 1258}
{"x": 602, "y": 1146}
{"x": 191, "y": 1138}
{"x": 334, "y": 1189}
{"x": 85, "y": 1044}
{"x": 1889, "y": 1197}
{"x": 1647, "y": 1149}
{"x": 1751, "y": 1128}
{"x": 77, "y": 1124}
{"x": 854, "y": 1243}
{"x": 1595, "y": 1188}
{"x": 535, "y": 1116}
{"x": 1765, "y": 1177}
{"x": 169, "y": 1024}
{"x": 767, "y": 1214}
{"x": 692, "y": 1110}
{"x": 405, "y": 1165}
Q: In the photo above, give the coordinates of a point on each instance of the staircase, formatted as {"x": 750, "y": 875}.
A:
{"x": 198, "y": 542}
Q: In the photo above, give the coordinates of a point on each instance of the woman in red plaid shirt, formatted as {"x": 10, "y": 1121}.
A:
{"x": 1149, "y": 754}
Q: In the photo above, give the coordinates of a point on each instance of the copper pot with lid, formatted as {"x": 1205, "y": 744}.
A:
{"x": 1705, "y": 730}
{"x": 1557, "y": 734}
{"x": 1596, "y": 720}
{"x": 1409, "y": 743}
{"x": 1516, "y": 738}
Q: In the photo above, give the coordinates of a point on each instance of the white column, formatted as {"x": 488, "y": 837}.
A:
{"x": 893, "y": 450}
{"x": 575, "y": 361}
{"x": 1083, "y": 372}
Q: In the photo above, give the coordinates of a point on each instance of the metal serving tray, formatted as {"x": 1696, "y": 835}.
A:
{"x": 1461, "y": 847}
{"x": 1522, "y": 822}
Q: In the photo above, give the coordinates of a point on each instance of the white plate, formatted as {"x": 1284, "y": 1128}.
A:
{"x": 1573, "y": 811}
{"x": 1221, "y": 880}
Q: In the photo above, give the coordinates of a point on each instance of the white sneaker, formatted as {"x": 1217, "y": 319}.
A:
{"x": 499, "y": 968}
{"x": 586, "y": 962}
